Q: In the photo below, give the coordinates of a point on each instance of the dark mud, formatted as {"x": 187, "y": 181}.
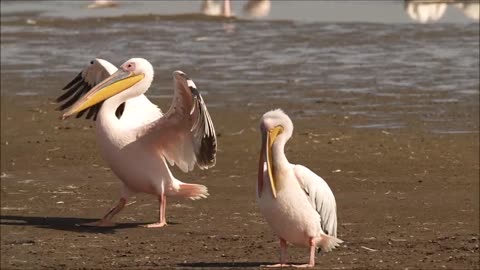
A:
{"x": 407, "y": 198}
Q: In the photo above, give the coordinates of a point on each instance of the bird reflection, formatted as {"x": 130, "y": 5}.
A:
{"x": 425, "y": 11}
{"x": 103, "y": 4}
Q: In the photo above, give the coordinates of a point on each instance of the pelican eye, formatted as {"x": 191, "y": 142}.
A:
{"x": 91, "y": 62}
{"x": 130, "y": 66}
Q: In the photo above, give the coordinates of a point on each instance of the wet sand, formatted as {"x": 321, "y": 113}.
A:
{"x": 407, "y": 198}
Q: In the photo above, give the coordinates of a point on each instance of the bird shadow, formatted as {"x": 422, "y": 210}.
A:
{"x": 66, "y": 223}
{"x": 224, "y": 264}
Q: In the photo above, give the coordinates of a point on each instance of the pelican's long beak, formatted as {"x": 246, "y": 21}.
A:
{"x": 266, "y": 153}
{"x": 116, "y": 83}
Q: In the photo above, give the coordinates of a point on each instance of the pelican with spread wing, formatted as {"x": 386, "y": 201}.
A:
{"x": 297, "y": 203}
{"x": 135, "y": 138}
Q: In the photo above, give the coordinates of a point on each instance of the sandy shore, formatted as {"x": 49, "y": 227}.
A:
{"x": 407, "y": 198}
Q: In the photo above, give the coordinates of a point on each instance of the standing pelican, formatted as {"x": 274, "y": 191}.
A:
{"x": 213, "y": 8}
{"x": 297, "y": 203}
{"x": 425, "y": 11}
{"x": 257, "y": 8}
{"x": 133, "y": 135}
{"x": 471, "y": 9}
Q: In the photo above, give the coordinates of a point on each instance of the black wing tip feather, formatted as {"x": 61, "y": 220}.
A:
{"x": 75, "y": 95}
{"x": 72, "y": 90}
{"x": 208, "y": 145}
{"x": 74, "y": 81}
{"x": 208, "y": 152}
{"x": 194, "y": 91}
{"x": 76, "y": 88}
{"x": 93, "y": 111}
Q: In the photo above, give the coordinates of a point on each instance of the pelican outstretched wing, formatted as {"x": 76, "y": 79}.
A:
{"x": 185, "y": 135}
{"x": 91, "y": 75}
{"x": 320, "y": 196}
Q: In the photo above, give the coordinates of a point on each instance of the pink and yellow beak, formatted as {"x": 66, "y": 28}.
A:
{"x": 116, "y": 83}
{"x": 266, "y": 154}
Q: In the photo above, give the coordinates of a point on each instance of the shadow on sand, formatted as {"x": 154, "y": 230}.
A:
{"x": 65, "y": 223}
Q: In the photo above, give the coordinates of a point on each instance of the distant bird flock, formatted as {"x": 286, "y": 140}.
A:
{"x": 425, "y": 11}
{"x": 422, "y": 11}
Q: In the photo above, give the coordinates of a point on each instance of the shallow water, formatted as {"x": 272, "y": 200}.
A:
{"x": 379, "y": 70}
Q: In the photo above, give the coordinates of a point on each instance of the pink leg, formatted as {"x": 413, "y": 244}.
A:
{"x": 227, "y": 11}
{"x": 163, "y": 202}
{"x": 311, "y": 263}
{"x": 162, "y": 219}
{"x": 283, "y": 255}
{"x": 283, "y": 251}
{"x": 106, "y": 221}
{"x": 312, "y": 252}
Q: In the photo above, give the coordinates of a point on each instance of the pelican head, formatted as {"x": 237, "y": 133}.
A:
{"x": 276, "y": 128}
{"x": 132, "y": 79}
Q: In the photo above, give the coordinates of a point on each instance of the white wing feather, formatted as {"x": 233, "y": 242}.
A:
{"x": 320, "y": 196}
{"x": 185, "y": 135}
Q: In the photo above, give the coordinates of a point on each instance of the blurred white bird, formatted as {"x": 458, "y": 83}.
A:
{"x": 257, "y": 8}
{"x": 424, "y": 12}
{"x": 213, "y": 8}
{"x": 471, "y": 9}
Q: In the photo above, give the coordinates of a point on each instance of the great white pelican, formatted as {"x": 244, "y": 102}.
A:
{"x": 135, "y": 138}
{"x": 213, "y": 8}
{"x": 297, "y": 204}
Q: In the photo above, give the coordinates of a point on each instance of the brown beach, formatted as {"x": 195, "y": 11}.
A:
{"x": 386, "y": 111}
{"x": 407, "y": 198}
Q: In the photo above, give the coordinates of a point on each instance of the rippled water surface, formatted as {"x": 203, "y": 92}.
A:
{"x": 345, "y": 68}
